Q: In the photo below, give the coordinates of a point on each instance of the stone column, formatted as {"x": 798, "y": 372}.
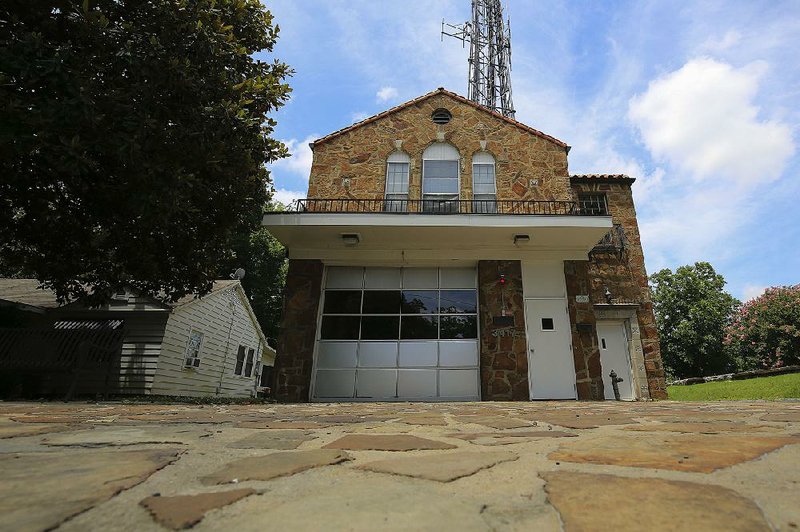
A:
{"x": 503, "y": 345}
{"x": 298, "y": 331}
{"x": 586, "y": 354}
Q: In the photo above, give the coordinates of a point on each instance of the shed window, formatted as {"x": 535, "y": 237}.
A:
{"x": 193, "y": 347}
{"x": 240, "y": 360}
{"x": 248, "y": 367}
{"x": 484, "y": 188}
{"x": 397, "y": 170}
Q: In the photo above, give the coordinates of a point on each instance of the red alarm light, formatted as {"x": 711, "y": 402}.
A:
{"x": 502, "y": 278}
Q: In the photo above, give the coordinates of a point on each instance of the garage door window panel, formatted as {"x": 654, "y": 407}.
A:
{"x": 420, "y": 301}
{"x": 342, "y": 302}
{"x": 381, "y": 302}
{"x": 340, "y": 327}
{"x": 380, "y": 327}
{"x": 419, "y": 328}
{"x": 458, "y": 302}
{"x": 459, "y": 327}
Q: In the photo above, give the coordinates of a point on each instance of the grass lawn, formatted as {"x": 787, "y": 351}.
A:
{"x": 778, "y": 387}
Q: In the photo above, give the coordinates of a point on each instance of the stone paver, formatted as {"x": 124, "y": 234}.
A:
{"x": 386, "y": 442}
{"x": 274, "y": 465}
{"x": 441, "y": 467}
{"x": 700, "y": 453}
{"x": 399, "y": 466}
{"x": 185, "y": 511}
{"x": 606, "y": 502}
{"x": 40, "y": 490}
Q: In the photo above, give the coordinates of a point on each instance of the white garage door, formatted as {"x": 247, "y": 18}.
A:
{"x": 398, "y": 334}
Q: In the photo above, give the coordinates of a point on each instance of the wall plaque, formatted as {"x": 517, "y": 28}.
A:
{"x": 503, "y": 321}
{"x": 581, "y": 299}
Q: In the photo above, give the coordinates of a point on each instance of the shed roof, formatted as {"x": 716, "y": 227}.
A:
{"x": 457, "y": 97}
{"x": 27, "y": 292}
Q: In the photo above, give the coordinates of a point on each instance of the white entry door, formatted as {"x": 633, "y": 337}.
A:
{"x": 613, "y": 343}
{"x": 551, "y": 369}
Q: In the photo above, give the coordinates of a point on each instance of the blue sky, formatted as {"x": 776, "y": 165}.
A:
{"x": 699, "y": 101}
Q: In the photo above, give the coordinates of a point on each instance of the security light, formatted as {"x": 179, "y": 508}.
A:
{"x": 351, "y": 239}
{"x": 521, "y": 239}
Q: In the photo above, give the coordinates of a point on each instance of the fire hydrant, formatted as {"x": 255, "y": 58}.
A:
{"x": 615, "y": 384}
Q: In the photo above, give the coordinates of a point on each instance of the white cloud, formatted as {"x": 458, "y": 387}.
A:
{"x": 287, "y": 196}
{"x": 299, "y": 163}
{"x": 702, "y": 120}
{"x": 752, "y": 291}
{"x": 386, "y": 94}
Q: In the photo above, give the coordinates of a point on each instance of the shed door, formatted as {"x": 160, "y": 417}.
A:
{"x": 398, "y": 334}
{"x": 551, "y": 367}
{"x": 613, "y": 344}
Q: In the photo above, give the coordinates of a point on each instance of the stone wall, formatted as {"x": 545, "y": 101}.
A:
{"x": 586, "y": 354}
{"x": 626, "y": 278}
{"x": 353, "y": 164}
{"x": 298, "y": 330}
{"x": 503, "y": 348}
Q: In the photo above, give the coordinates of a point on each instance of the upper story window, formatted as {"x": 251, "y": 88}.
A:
{"x": 397, "y": 169}
{"x": 593, "y": 203}
{"x": 484, "y": 188}
{"x": 440, "y": 178}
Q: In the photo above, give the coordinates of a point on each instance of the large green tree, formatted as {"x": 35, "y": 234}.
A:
{"x": 692, "y": 311}
{"x": 133, "y": 140}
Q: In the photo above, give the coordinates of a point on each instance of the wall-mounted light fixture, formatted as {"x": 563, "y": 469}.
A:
{"x": 351, "y": 239}
{"x": 608, "y": 295}
{"x": 521, "y": 239}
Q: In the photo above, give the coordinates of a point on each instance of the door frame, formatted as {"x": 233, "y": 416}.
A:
{"x": 528, "y": 348}
{"x": 623, "y": 324}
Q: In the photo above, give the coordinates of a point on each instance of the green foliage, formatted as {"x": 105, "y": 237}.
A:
{"x": 777, "y": 387}
{"x": 692, "y": 310}
{"x": 765, "y": 333}
{"x": 264, "y": 261}
{"x": 133, "y": 141}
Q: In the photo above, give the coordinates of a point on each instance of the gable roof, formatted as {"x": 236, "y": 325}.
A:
{"x": 602, "y": 178}
{"x": 27, "y": 292}
{"x": 453, "y": 95}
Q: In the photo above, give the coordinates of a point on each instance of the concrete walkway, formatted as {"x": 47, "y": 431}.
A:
{"x": 452, "y": 466}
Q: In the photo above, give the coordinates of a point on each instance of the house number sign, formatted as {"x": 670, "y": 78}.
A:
{"x": 508, "y": 331}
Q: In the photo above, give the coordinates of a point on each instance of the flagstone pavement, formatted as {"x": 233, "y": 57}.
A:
{"x": 400, "y": 466}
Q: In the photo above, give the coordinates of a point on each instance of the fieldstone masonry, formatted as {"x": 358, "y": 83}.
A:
{"x": 626, "y": 278}
{"x": 298, "y": 330}
{"x": 352, "y": 163}
{"x": 503, "y": 347}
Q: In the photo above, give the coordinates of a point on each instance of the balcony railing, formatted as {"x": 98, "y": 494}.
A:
{"x": 435, "y": 206}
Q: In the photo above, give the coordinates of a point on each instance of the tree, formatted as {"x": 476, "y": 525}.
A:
{"x": 692, "y": 310}
{"x": 134, "y": 140}
{"x": 264, "y": 260}
{"x": 765, "y": 332}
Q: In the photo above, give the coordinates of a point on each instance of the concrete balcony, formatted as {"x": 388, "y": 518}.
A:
{"x": 392, "y": 231}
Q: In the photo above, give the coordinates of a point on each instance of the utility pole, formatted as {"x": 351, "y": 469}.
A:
{"x": 489, "y": 55}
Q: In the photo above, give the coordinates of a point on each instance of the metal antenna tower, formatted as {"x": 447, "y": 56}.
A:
{"x": 489, "y": 55}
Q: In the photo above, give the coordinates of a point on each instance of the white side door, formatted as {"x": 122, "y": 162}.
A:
{"x": 613, "y": 343}
{"x": 551, "y": 369}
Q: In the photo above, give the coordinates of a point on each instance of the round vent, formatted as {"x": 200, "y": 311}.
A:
{"x": 441, "y": 116}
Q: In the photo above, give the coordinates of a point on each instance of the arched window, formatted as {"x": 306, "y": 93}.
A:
{"x": 440, "y": 170}
{"x": 484, "y": 188}
{"x": 397, "y": 167}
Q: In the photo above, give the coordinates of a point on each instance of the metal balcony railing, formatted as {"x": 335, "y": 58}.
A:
{"x": 438, "y": 206}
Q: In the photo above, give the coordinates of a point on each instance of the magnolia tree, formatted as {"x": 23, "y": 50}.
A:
{"x": 765, "y": 333}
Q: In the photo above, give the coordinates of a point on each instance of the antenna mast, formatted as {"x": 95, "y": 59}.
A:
{"x": 489, "y": 55}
